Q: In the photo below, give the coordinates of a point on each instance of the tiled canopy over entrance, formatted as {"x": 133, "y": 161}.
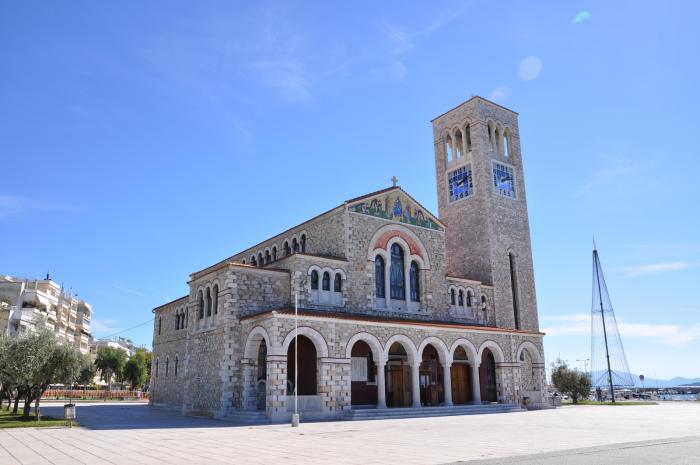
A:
{"x": 397, "y": 307}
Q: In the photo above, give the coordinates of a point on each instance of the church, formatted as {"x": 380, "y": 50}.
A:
{"x": 397, "y": 307}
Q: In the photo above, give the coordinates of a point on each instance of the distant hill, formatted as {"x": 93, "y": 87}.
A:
{"x": 663, "y": 383}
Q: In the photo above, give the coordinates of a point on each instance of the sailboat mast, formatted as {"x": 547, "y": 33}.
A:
{"x": 602, "y": 315}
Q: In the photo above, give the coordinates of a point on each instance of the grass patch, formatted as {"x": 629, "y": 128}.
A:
{"x": 8, "y": 420}
{"x": 618, "y": 403}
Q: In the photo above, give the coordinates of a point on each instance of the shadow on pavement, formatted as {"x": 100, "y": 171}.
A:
{"x": 123, "y": 415}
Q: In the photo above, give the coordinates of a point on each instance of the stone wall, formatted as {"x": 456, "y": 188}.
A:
{"x": 169, "y": 348}
{"x": 485, "y": 227}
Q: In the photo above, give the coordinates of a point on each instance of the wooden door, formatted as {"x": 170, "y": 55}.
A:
{"x": 461, "y": 386}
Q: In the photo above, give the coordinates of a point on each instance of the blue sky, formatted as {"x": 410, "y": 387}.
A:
{"x": 141, "y": 142}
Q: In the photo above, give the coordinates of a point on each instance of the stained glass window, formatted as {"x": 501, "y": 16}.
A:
{"x": 314, "y": 280}
{"x": 503, "y": 179}
{"x": 460, "y": 183}
{"x": 337, "y": 283}
{"x": 415, "y": 286}
{"x": 379, "y": 276}
{"x": 326, "y": 283}
{"x": 398, "y": 289}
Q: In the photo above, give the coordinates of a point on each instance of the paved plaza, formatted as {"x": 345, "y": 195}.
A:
{"x": 137, "y": 434}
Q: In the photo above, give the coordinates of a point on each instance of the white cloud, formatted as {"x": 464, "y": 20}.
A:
{"x": 529, "y": 68}
{"x": 617, "y": 171}
{"x": 11, "y": 205}
{"x": 130, "y": 291}
{"x": 401, "y": 42}
{"x": 500, "y": 93}
{"x": 579, "y": 324}
{"x": 641, "y": 270}
{"x": 105, "y": 326}
{"x": 287, "y": 76}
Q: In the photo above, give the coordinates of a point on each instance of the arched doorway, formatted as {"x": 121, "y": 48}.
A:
{"x": 430, "y": 377}
{"x": 363, "y": 389}
{"x": 261, "y": 376}
{"x": 307, "y": 361}
{"x": 487, "y": 375}
{"x": 461, "y": 378}
{"x": 398, "y": 377}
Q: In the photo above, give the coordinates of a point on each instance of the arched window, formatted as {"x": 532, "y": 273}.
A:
{"x": 448, "y": 148}
{"x": 287, "y": 250}
{"x": 253, "y": 261}
{"x": 216, "y": 299}
{"x": 396, "y": 274}
{"x": 469, "y": 298}
{"x": 243, "y": 262}
{"x": 499, "y": 141}
{"x": 468, "y": 137}
{"x": 452, "y": 296}
{"x": 200, "y": 304}
{"x": 483, "y": 301}
{"x": 459, "y": 144}
{"x": 506, "y": 145}
{"x": 295, "y": 245}
{"x": 379, "y": 276}
{"x": 514, "y": 290}
{"x": 261, "y": 261}
{"x": 160, "y": 324}
{"x": 177, "y": 362}
{"x": 274, "y": 254}
{"x": 460, "y": 302}
{"x": 177, "y": 321}
{"x": 208, "y": 302}
{"x": 268, "y": 258}
{"x": 167, "y": 365}
{"x": 415, "y": 286}
{"x": 337, "y": 283}
{"x": 303, "y": 243}
{"x": 314, "y": 280}
{"x": 326, "y": 283}
{"x": 157, "y": 363}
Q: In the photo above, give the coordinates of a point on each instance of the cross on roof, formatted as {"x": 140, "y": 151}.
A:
{"x": 394, "y": 180}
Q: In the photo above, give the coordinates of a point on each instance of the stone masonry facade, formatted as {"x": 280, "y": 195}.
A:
{"x": 396, "y": 307}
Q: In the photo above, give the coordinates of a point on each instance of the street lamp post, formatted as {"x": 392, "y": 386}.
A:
{"x": 295, "y": 416}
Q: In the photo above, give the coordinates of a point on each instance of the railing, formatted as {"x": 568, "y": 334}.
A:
{"x": 92, "y": 394}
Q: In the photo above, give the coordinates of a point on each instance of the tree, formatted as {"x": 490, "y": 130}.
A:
{"x": 29, "y": 364}
{"x": 62, "y": 366}
{"x": 575, "y": 383}
{"x": 136, "y": 369}
{"x": 149, "y": 359}
{"x": 110, "y": 361}
{"x": 87, "y": 371}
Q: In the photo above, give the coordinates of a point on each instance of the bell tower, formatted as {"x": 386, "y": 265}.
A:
{"x": 481, "y": 199}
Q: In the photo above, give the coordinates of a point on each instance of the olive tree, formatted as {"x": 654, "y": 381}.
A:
{"x": 573, "y": 382}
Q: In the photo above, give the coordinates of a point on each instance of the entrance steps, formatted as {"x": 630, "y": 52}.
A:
{"x": 421, "y": 412}
{"x": 247, "y": 417}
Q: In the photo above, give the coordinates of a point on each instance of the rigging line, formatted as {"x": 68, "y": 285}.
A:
{"x": 128, "y": 329}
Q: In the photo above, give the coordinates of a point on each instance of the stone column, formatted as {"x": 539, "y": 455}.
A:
{"x": 447, "y": 384}
{"x": 381, "y": 385}
{"x": 277, "y": 386}
{"x": 416, "y": 384}
{"x": 249, "y": 391}
{"x": 476, "y": 384}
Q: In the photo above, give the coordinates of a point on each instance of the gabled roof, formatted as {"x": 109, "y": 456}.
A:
{"x": 349, "y": 204}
